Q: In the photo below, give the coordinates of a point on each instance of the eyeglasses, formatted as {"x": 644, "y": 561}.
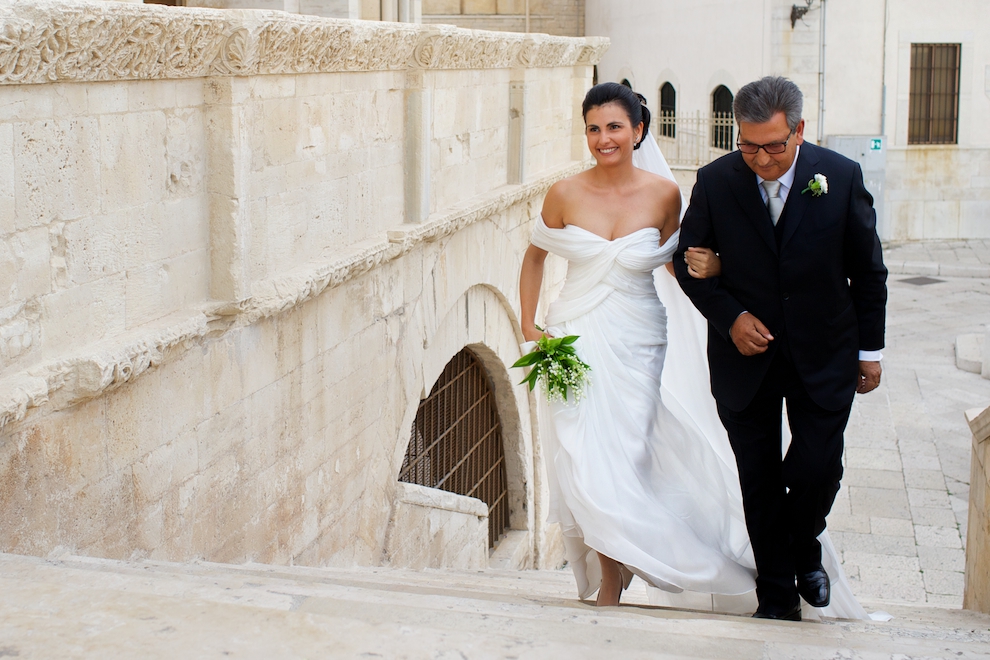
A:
{"x": 772, "y": 148}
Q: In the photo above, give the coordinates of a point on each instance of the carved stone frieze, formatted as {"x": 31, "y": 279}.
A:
{"x": 99, "y": 369}
{"x": 100, "y": 41}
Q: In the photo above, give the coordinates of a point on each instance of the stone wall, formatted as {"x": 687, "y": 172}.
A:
{"x": 236, "y": 249}
{"x": 977, "y": 593}
{"x": 558, "y": 17}
{"x": 938, "y": 192}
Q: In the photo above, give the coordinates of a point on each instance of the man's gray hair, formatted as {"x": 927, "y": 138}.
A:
{"x": 760, "y": 100}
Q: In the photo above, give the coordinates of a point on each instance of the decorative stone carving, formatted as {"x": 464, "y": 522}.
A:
{"x": 98, "y": 41}
{"x": 77, "y": 378}
{"x": 81, "y": 377}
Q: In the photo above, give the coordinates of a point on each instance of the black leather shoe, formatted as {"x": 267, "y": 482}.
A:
{"x": 793, "y": 614}
{"x": 814, "y": 587}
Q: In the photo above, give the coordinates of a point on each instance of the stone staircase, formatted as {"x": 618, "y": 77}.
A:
{"x": 77, "y": 607}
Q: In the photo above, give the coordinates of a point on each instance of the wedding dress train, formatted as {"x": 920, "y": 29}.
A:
{"x": 641, "y": 469}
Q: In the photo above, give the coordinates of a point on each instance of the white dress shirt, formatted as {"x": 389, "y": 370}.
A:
{"x": 786, "y": 183}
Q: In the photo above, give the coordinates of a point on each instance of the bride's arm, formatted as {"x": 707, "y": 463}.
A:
{"x": 530, "y": 282}
{"x": 702, "y": 263}
{"x": 670, "y": 203}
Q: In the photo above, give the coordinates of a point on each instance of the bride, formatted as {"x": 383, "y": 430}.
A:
{"x": 642, "y": 478}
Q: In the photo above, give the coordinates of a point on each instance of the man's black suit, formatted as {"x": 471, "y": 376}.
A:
{"x": 818, "y": 283}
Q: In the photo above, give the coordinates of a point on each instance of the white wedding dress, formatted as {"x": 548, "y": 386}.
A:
{"x": 641, "y": 470}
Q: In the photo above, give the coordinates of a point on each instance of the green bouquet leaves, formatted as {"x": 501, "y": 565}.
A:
{"x": 556, "y": 364}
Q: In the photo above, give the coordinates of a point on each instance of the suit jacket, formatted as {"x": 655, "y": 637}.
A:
{"x": 817, "y": 281}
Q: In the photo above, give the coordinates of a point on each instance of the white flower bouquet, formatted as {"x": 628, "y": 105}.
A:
{"x": 556, "y": 364}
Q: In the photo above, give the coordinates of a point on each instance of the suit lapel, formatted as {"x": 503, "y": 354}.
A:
{"x": 744, "y": 187}
{"x": 797, "y": 203}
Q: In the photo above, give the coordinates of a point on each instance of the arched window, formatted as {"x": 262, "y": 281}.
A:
{"x": 456, "y": 441}
{"x": 723, "y": 129}
{"x": 668, "y": 111}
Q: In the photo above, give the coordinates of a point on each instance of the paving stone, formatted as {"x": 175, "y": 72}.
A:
{"x": 937, "y": 537}
{"x": 850, "y": 523}
{"x": 920, "y": 462}
{"x": 873, "y": 459}
{"x": 870, "y": 560}
{"x": 937, "y": 517}
{"x": 875, "y": 544}
{"x": 944, "y": 583}
{"x": 925, "y": 497}
{"x": 881, "y": 502}
{"x": 931, "y": 479}
{"x": 936, "y": 600}
{"x": 941, "y": 559}
{"x": 891, "y": 527}
{"x": 874, "y": 478}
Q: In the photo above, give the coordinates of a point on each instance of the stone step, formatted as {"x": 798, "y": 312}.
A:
{"x": 969, "y": 352}
{"x": 79, "y": 607}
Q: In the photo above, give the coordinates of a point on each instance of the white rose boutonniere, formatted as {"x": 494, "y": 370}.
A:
{"x": 818, "y": 186}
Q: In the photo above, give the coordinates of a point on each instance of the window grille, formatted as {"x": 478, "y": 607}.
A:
{"x": 723, "y": 128}
{"x": 668, "y": 111}
{"x": 456, "y": 441}
{"x": 933, "y": 111}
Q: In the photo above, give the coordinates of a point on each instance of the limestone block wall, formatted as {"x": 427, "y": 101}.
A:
{"x": 938, "y": 192}
{"x": 232, "y": 261}
{"x": 977, "y": 592}
{"x": 559, "y": 17}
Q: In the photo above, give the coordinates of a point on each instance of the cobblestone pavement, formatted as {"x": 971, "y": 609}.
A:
{"x": 900, "y": 518}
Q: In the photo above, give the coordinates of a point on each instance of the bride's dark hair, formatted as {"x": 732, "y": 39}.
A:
{"x": 633, "y": 103}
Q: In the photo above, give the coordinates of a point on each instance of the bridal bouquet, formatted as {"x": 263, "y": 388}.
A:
{"x": 556, "y": 363}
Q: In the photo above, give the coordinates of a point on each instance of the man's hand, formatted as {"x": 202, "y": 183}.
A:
{"x": 869, "y": 377}
{"x": 749, "y": 335}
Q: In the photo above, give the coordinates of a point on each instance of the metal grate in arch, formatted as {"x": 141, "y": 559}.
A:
{"x": 456, "y": 441}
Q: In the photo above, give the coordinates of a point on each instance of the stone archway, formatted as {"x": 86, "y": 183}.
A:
{"x": 456, "y": 443}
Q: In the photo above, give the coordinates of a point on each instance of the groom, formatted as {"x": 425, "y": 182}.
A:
{"x": 796, "y": 315}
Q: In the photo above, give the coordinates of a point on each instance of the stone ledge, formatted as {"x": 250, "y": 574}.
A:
{"x": 433, "y": 498}
{"x": 99, "y": 368}
{"x": 81, "y": 40}
{"x": 969, "y": 353}
{"x": 935, "y": 268}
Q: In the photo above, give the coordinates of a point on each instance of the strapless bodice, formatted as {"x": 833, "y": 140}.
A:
{"x": 598, "y": 267}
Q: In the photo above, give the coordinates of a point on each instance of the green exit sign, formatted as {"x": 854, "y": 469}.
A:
{"x": 876, "y": 144}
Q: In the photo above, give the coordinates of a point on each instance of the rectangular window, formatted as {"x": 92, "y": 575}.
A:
{"x": 933, "y": 114}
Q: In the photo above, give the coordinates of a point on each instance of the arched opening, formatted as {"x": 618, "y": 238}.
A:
{"x": 668, "y": 111}
{"x": 456, "y": 441}
{"x": 723, "y": 128}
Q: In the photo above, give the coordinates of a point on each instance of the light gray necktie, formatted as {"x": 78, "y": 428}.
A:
{"x": 774, "y": 203}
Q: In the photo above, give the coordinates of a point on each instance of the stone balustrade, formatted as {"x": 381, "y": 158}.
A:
{"x": 977, "y": 594}
{"x": 235, "y": 249}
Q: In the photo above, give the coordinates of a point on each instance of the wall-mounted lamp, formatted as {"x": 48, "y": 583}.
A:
{"x": 798, "y": 12}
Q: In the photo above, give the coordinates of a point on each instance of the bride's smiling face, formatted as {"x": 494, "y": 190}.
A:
{"x": 611, "y": 135}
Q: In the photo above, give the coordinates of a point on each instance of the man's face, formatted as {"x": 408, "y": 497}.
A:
{"x": 771, "y": 166}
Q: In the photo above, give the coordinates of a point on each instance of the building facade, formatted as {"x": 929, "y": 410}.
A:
{"x": 901, "y": 85}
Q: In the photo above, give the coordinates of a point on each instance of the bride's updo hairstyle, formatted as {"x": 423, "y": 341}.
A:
{"x": 610, "y": 92}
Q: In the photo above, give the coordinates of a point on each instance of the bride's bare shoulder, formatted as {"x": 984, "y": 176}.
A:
{"x": 561, "y": 197}
{"x": 555, "y": 203}
{"x": 661, "y": 187}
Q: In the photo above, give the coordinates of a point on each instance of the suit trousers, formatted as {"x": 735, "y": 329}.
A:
{"x": 785, "y": 498}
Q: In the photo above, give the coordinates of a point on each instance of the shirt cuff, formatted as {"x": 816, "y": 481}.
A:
{"x": 870, "y": 356}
